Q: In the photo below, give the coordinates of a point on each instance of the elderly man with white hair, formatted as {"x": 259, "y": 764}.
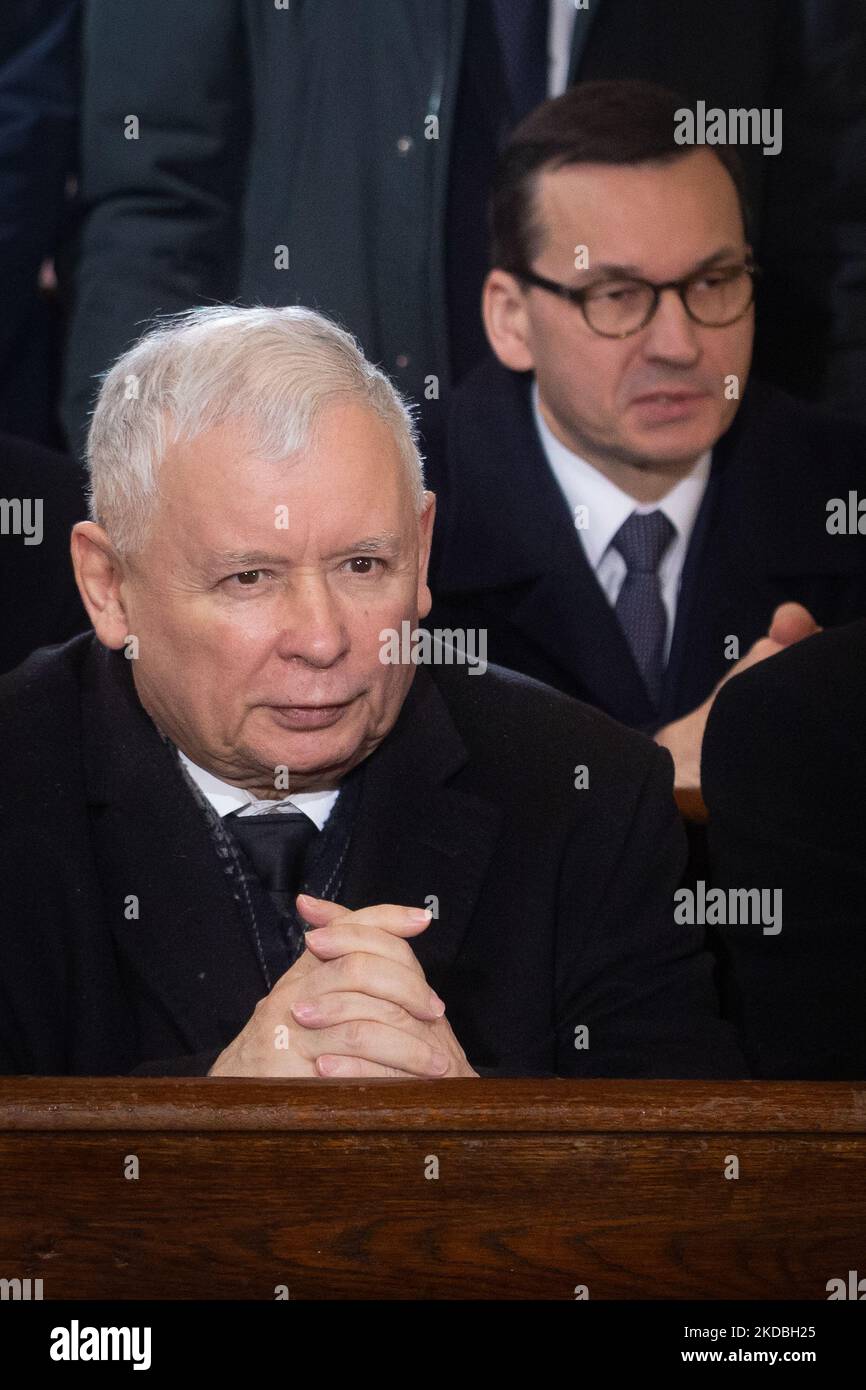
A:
{"x": 239, "y": 838}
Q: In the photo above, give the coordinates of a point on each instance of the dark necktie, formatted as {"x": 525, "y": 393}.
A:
{"x": 642, "y": 541}
{"x": 275, "y": 844}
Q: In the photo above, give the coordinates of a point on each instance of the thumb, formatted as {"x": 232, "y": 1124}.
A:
{"x": 790, "y": 623}
{"x": 319, "y": 911}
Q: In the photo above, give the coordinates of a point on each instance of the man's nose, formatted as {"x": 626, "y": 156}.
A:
{"x": 313, "y": 623}
{"x": 671, "y": 334}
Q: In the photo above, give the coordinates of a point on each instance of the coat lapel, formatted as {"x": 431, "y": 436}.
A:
{"x": 188, "y": 945}
{"x": 415, "y": 837}
{"x": 566, "y": 614}
{"x": 722, "y": 595}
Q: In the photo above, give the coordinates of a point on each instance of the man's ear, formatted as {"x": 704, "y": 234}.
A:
{"x": 506, "y": 322}
{"x": 425, "y": 538}
{"x": 99, "y": 575}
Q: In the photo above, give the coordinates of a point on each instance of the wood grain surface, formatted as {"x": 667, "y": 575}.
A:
{"x": 323, "y": 1187}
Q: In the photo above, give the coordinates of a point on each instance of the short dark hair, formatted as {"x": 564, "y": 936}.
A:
{"x": 622, "y": 122}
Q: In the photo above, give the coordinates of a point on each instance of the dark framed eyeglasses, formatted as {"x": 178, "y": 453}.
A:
{"x": 618, "y": 307}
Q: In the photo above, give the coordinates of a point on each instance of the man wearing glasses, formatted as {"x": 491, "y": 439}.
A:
{"x": 628, "y": 520}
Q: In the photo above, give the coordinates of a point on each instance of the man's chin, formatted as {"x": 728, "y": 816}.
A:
{"x": 670, "y": 445}
{"x": 311, "y": 753}
{"x": 657, "y": 434}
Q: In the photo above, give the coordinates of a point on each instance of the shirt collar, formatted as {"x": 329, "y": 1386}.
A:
{"x": 607, "y": 506}
{"x": 225, "y": 798}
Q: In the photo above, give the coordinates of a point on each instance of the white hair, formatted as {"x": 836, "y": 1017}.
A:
{"x": 273, "y": 370}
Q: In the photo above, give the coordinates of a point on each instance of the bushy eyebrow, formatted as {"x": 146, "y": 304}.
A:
{"x": 389, "y": 542}
{"x": 369, "y": 545}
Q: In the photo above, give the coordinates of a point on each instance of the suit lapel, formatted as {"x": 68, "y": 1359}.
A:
{"x": 710, "y": 575}
{"x": 722, "y": 594}
{"x": 188, "y": 945}
{"x": 416, "y": 838}
{"x": 565, "y": 613}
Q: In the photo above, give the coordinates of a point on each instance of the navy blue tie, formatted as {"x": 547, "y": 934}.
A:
{"x": 275, "y": 844}
{"x": 521, "y": 27}
{"x": 642, "y": 541}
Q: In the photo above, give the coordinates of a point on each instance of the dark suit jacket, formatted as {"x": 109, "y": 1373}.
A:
{"x": 507, "y": 557}
{"x": 555, "y": 904}
{"x": 784, "y": 777}
{"x": 39, "y": 601}
{"x": 39, "y": 99}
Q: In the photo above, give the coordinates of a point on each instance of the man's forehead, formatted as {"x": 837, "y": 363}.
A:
{"x": 223, "y": 505}
{"x": 221, "y": 471}
{"x": 341, "y": 434}
{"x": 611, "y": 200}
{"x": 242, "y": 517}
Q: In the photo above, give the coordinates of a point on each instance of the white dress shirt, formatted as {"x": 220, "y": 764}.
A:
{"x": 560, "y": 29}
{"x": 225, "y": 798}
{"x": 607, "y": 507}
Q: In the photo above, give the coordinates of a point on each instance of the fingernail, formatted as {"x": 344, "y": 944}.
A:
{"x": 440, "y": 1062}
{"x": 437, "y": 1005}
{"x": 304, "y": 1010}
{"x": 330, "y": 1065}
{"x": 418, "y": 917}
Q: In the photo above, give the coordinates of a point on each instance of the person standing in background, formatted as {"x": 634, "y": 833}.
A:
{"x": 339, "y": 156}
{"x": 39, "y": 100}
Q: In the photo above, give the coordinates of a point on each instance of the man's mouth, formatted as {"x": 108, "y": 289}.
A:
{"x": 309, "y": 716}
{"x": 673, "y": 394}
{"x": 669, "y": 405}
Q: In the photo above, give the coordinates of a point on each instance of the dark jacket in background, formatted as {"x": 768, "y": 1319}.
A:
{"x": 508, "y": 559}
{"x": 784, "y": 778}
{"x": 39, "y": 106}
{"x": 555, "y": 905}
{"x": 39, "y": 601}
{"x": 307, "y": 127}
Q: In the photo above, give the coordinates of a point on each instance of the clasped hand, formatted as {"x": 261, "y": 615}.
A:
{"x": 356, "y": 1003}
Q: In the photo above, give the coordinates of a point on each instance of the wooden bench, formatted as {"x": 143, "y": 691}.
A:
{"x": 516, "y": 1189}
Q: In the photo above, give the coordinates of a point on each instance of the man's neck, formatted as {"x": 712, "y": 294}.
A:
{"x": 647, "y": 483}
